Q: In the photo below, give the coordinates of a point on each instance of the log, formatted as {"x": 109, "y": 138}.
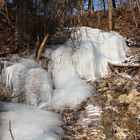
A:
{"x": 136, "y": 65}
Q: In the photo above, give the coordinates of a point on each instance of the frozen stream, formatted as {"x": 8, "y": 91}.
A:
{"x": 37, "y": 90}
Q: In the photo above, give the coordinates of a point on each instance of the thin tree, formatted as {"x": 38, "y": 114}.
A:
{"x": 120, "y": 5}
{"x": 114, "y": 3}
{"x": 90, "y": 7}
{"x": 21, "y": 23}
{"x": 110, "y": 10}
{"x": 104, "y": 5}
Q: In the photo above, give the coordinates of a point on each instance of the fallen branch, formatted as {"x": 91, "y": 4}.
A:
{"x": 39, "y": 51}
{"x": 124, "y": 65}
{"x": 10, "y": 130}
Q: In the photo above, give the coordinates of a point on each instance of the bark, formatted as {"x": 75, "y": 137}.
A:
{"x": 39, "y": 50}
{"x": 138, "y": 5}
{"x": 133, "y": 13}
{"x": 110, "y": 6}
{"x": 120, "y": 4}
{"x": 99, "y": 19}
{"x": 127, "y": 4}
{"x": 113, "y": 3}
{"x": 104, "y": 5}
{"x": 124, "y": 65}
{"x": 63, "y": 7}
{"x": 90, "y": 7}
{"x": 21, "y": 22}
{"x": 80, "y": 10}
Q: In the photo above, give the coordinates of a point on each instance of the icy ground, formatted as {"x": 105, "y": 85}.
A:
{"x": 59, "y": 87}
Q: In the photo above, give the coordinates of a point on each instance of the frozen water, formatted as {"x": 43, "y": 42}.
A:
{"x": 38, "y": 87}
{"x": 74, "y": 92}
{"x": 70, "y": 89}
{"x": 28, "y": 123}
{"x": 87, "y": 60}
{"x": 94, "y": 49}
{"x": 14, "y": 76}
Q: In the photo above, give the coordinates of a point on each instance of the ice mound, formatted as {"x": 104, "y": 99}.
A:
{"x": 38, "y": 87}
{"x": 70, "y": 90}
{"x": 27, "y": 78}
{"x": 72, "y": 94}
{"x": 28, "y": 123}
{"x": 94, "y": 49}
{"x": 13, "y": 76}
{"x": 87, "y": 59}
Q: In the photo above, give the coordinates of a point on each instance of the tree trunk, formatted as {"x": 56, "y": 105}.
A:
{"x": 90, "y": 7}
{"x": 127, "y": 4}
{"x": 99, "y": 19}
{"x": 104, "y": 5}
{"x": 80, "y": 10}
{"x": 120, "y": 4}
{"x": 133, "y": 12}
{"x": 110, "y": 6}
{"x": 63, "y": 7}
{"x": 113, "y": 3}
{"x": 138, "y": 5}
{"x": 21, "y": 23}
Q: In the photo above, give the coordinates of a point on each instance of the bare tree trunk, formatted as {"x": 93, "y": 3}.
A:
{"x": 99, "y": 19}
{"x": 113, "y": 3}
{"x": 63, "y": 7}
{"x": 138, "y": 4}
{"x": 127, "y": 4}
{"x": 21, "y": 23}
{"x": 120, "y": 4}
{"x": 90, "y": 7}
{"x": 82, "y": 7}
{"x": 133, "y": 12}
{"x": 110, "y": 6}
{"x": 79, "y": 6}
{"x": 104, "y": 5}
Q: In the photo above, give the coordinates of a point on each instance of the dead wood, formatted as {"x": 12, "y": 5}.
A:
{"x": 10, "y": 130}
{"x": 124, "y": 65}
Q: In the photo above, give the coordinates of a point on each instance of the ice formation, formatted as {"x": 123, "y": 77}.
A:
{"x": 38, "y": 87}
{"x": 70, "y": 90}
{"x": 14, "y": 76}
{"x": 28, "y": 123}
{"x": 94, "y": 49}
{"x": 69, "y": 65}
{"x": 87, "y": 60}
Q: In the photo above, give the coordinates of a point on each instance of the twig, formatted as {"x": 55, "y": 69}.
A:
{"x": 10, "y": 130}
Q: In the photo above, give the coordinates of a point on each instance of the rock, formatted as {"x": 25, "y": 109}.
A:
{"x": 133, "y": 97}
{"x": 122, "y": 98}
{"x": 133, "y": 110}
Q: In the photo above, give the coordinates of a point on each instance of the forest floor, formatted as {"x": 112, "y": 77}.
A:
{"x": 113, "y": 113}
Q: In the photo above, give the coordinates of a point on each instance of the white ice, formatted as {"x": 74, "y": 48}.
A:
{"x": 28, "y": 123}
{"x": 88, "y": 60}
{"x": 69, "y": 65}
{"x": 14, "y": 76}
{"x": 70, "y": 90}
{"x": 38, "y": 87}
{"x": 94, "y": 49}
